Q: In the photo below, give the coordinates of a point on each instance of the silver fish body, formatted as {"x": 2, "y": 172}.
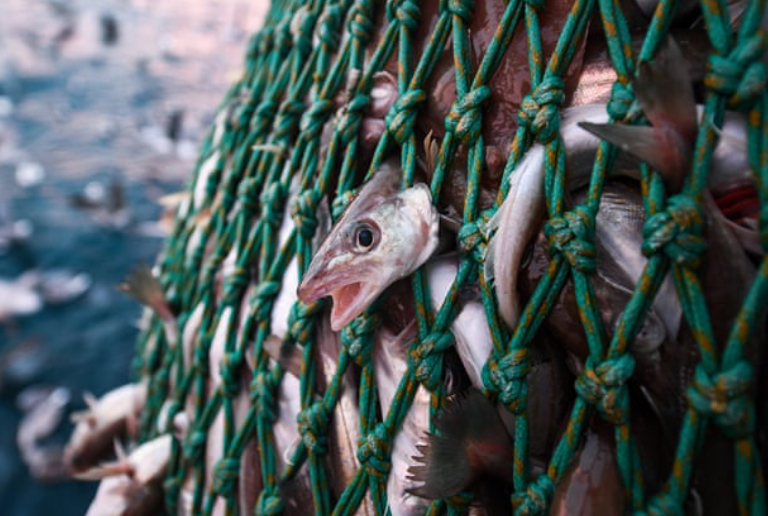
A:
{"x": 390, "y": 363}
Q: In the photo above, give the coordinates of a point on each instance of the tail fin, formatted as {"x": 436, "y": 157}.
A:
{"x": 665, "y": 93}
{"x": 142, "y": 285}
{"x": 471, "y": 441}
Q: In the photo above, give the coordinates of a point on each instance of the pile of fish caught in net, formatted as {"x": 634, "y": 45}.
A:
{"x": 454, "y": 256}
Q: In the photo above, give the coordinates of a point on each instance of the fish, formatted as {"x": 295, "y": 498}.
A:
{"x": 113, "y": 415}
{"x": 45, "y": 462}
{"x": 131, "y": 485}
{"x": 384, "y": 235}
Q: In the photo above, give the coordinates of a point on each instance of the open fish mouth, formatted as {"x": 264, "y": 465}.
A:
{"x": 350, "y": 296}
{"x": 349, "y": 301}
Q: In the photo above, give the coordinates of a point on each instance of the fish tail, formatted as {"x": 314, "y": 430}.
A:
{"x": 470, "y": 441}
{"x": 145, "y": 288}
{"x": 665, "y": 92}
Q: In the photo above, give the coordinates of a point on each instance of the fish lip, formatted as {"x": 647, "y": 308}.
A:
{"x": 316, "y": 285}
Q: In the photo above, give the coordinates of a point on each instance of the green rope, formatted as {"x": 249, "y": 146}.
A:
{"x": 271, "y": 137}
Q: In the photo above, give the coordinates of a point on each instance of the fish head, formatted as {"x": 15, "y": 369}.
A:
{"x": 384, "y": 235}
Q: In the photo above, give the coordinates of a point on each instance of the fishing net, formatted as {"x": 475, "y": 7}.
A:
{"x": 271, "y": 124}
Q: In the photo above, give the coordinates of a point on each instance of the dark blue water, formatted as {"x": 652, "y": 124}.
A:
{"x": 95, "y": 109}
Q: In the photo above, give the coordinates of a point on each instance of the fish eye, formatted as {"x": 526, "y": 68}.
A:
{"x": 364, "y": 237}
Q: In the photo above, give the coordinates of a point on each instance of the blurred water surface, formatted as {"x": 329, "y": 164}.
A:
{"x": 102, "y": 106}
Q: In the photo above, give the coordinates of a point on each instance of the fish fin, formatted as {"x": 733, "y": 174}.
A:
{"x": 120, "y": 453}
{"x": 470, "y": 441}
{"x": 736, "y": 140}
{"x": 384, "y": 183}
{"x": 90, "y": 400}
{"x": 431, "y": 151}
{"x": 406, "y": 335}
{"x": 661, "y": 148}
{"x": 489, "y": 259}
{"x": 80, "y": 416}
{"x": 324, "y": 223}
{"x": 450, "y": 223}
{"x": 285, "y": 353}
{"x": 109, "y": 469}
{"x": 665, "y": 92}
{"x": 172, "y": 200}
{"x": 145, "y": 288}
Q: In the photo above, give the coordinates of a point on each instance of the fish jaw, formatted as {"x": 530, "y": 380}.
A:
{"x": 352, "y": 287}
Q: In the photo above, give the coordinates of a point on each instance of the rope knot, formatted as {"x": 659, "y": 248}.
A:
{"x": 225, "y": 476}
{"x": 266, "y": 38}
{"x": 263, "y": 116}
{"x": 341, "y": 202}
{"x": 676, "y": 232}
{"x": 620, "y": 102}
{"x": 402, "y": 115}
{"x": 535, "y": 499}
{"x": 725, "y": 398}
{"x": 350, "y": 116}
{"x": 230, "y": 381}
{"x": 507, "y": 377}
{"x": 740, "y": 75}
{"x": 426, "y": 359}
{"x": 406, "y": 12}
{"x": 539, "y": 110}
{"x": 301, "y": 319}
{"x": 288, "y": 117}
{"x": 662, "y": 504}
{"x": 195, "y": 446}
{"x": 313, "y": 422}
{"x": 283, "y": 34}
{"x": 473, "y": 238}
{"x": 315, "y": 117}
{"x": 360, "y": 25}
{"x": 572, "y": 235}
{"x": 357, "y": 336}
{"x": 269, "y": 503}
{"x": 461, "y": 8}
{"x": 249, "y": 195}
{"x": 463, "y": 120}
{"x": 263, "y": 296}
{"x": 329, "y": 28}
{"x": 604, "y": 386}
{"x": 272, "y": 199}
{"x": 263, "y": 388}
{"x": 304, "y": 210}
{"x": 373, "y": 452}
